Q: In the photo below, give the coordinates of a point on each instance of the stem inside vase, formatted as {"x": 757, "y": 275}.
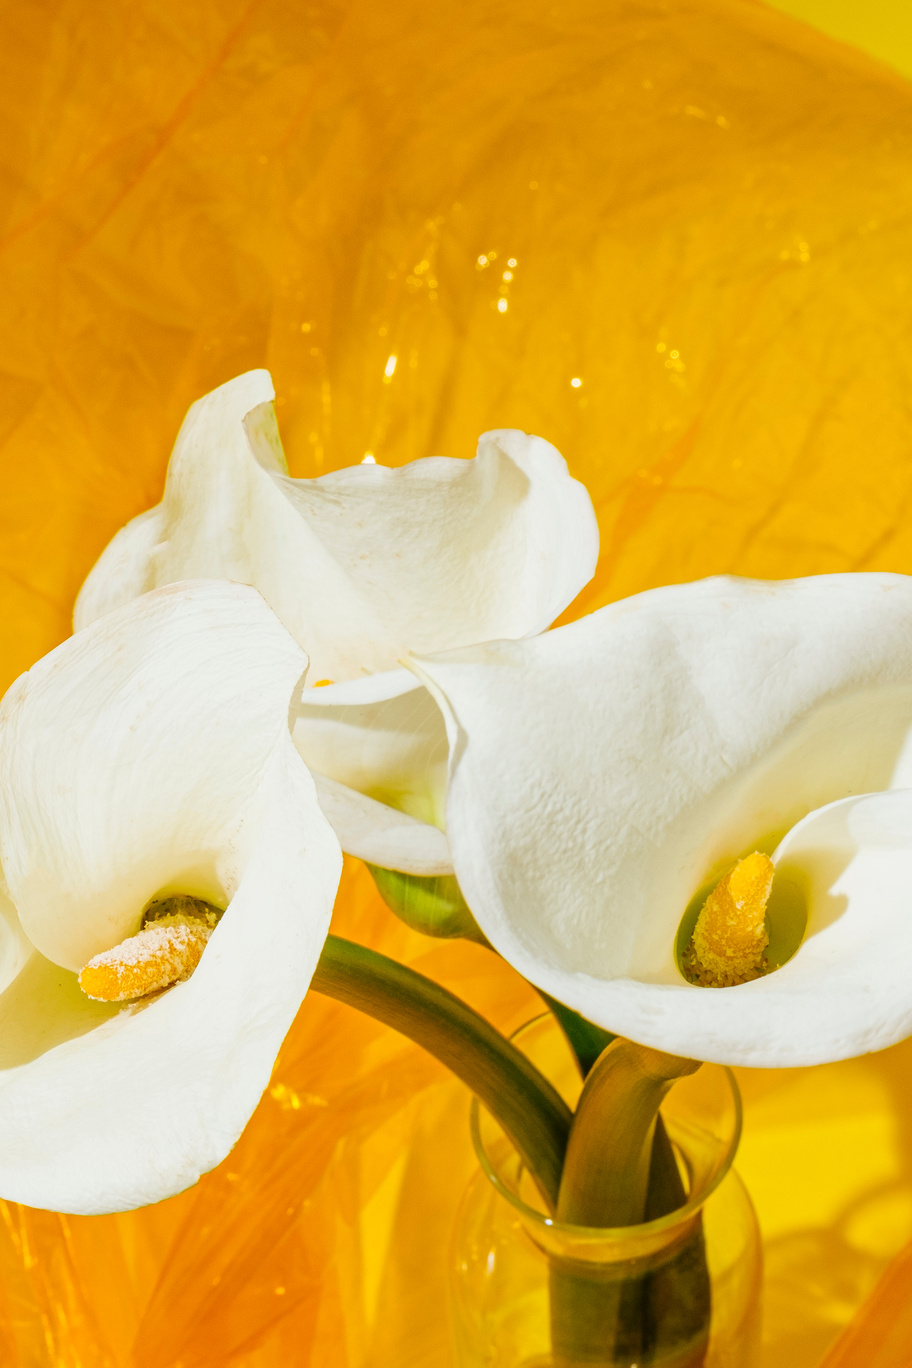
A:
{"x": 661, "y": 1316}
{"x": 630, "y": 1295}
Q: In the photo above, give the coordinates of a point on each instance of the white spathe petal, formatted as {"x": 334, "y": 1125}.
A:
{"x": 128, "y": 752}
{"x": 382, "y": 735}
{"x": 380, "y": 834}
{"x": 15, "y": 947}
{"x": 122, "y": 571}
{"x": 601, "y": 772}
{"x": 43, "y": 1007}
{"x": 366, "y": 563}
{"x": 103, "y": 1110}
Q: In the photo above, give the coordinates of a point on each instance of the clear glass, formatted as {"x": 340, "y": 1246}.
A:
{"x": 516, "y": 1274}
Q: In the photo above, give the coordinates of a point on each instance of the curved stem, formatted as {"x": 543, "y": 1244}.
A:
{"x": 530, "y": 1110}
{"x": 607, "y": 1167}
{"x": 618, "y": 1172}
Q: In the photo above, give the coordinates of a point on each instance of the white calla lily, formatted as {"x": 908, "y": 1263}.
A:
{"x": 150, "y": 755}
{"x": 601, "y": 774}
{"x": 363, "y": 565}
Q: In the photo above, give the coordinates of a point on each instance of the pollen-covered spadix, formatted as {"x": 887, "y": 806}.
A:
{"x": 603, "y": 773}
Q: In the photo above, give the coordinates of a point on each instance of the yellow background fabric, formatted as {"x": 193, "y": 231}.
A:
{"x": 880, "y": 27}
{"x": 708, "y": 209}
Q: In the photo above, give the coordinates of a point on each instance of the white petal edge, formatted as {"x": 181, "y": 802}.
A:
{"x": 379, "y": 834}
{"x": 121, "y": 572}
{"x": 366, "y": 563}
{"x": 599, "y": 773}
{"x": 15, "y": 946}
{"x": 128, "y": 565}
{"x": 137, "y": 1107}
{"x": 382, "y": 735}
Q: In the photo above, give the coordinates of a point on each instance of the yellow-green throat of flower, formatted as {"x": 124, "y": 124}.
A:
{"x": 730, "y": 938}
{"x": 165, "y": 951}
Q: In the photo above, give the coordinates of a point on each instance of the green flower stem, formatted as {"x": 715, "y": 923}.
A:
{"x": 670, "y": 1305}
{"x": 619, "y": 1171}
{"x": 665, "y": 1192}
{"x": 606, "y": 1170}
{"x": 530, "y": 1110}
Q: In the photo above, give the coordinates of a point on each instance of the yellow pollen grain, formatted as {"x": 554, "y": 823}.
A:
{"x": 164, "y": 952}
{"x": 321, "y": 683}
{"x": 730, "y": 937}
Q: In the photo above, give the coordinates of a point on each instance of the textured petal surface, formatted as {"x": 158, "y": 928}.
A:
{"x": 151, "y": 754}
{"x": 366, "y": 563}
{"x": 601, "y": 773}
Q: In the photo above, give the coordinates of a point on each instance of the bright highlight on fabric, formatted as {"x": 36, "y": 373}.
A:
{"x": 730, "y": 938}
{"x": 174, "y": 934}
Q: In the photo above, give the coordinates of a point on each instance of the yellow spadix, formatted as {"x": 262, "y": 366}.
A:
{"x": 730, "y": 938}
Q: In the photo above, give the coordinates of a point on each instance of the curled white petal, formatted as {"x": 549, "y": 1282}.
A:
{"x": 377, "y": 748}
{"x": 601, "y": 772}
{"x": 122, "y": 573}
{"x": 382, "y": 735}
{"x": 151, "y": 754}
{"x": 380, "y": 834}
{"x": 15, "y": 946}
{"x": 366, "y": 563}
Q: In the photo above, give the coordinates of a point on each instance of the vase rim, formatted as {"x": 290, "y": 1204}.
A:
{"x": 645, "y": 1229}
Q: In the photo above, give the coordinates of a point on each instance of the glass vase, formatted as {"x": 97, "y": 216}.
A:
{"x": 683, "y": 1291}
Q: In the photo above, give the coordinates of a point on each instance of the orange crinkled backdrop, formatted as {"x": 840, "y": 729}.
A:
{"x": 671, "y": 236}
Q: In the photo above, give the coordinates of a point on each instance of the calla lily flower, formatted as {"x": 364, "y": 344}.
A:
{"x": 149, "y": 756}
{"x": 604, "y": 773}
{"x": 362, "y": 566}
